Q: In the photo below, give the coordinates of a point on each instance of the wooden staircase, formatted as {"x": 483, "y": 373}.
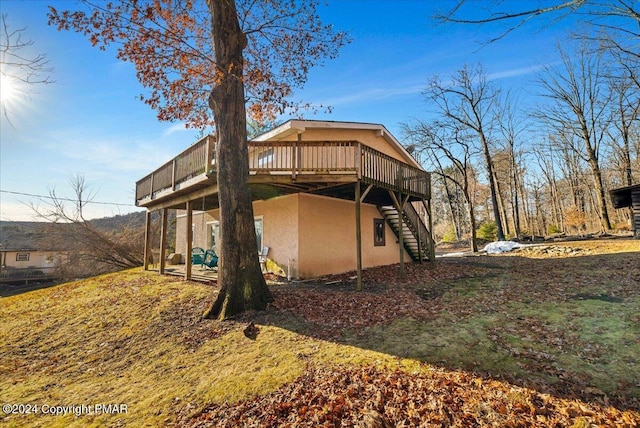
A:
{"x": 416, "y": 237}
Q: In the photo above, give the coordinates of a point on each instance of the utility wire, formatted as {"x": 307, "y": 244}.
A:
{"x": 65, "y": 199}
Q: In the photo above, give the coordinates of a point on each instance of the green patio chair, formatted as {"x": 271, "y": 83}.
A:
{"x": 210, "y": 260}
{"x": 197, "y": 256}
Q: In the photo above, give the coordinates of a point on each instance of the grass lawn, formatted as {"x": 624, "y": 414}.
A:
{"x": 547, "y": 335}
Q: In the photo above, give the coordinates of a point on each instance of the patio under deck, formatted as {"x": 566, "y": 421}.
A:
{"x": 197, "y": 273}
{"x": 205, "y": 275}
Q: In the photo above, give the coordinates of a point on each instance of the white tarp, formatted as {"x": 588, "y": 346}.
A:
{"x": 501, "y": 247}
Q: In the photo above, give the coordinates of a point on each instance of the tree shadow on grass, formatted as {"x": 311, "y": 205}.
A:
{"x": 569, "y": 327}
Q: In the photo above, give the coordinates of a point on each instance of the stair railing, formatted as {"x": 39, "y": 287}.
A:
{"x": 419, "y": 230}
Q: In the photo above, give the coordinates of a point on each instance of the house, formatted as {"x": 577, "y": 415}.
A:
{"x": 328, "y": 197}
{"x": 25, "y": 254}
{"x": 625, "y": 197}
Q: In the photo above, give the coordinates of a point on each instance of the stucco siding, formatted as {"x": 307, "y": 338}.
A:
{"x": 309, "y": 235}
{"x": 280, "y": 229}
{"x": 328, "y": 237}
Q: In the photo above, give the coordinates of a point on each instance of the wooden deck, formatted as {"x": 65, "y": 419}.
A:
{"x": 349, "y": 170}
{"x": 27, "y": 275}
{"x": 329, "y": 168}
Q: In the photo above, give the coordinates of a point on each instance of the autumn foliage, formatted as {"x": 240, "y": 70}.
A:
{"x": 169, "y": 43}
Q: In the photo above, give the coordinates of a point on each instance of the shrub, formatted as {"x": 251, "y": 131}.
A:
{"x": 450, "y": 236}
{"x": 553, "y": 229}
{"x": 487, "y": 231}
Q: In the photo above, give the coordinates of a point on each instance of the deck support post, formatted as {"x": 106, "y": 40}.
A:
{"x": 189, "y": 235}
{"x": 358, "y": 237}
{"x": 147, "y": 239}
{"x": 432, "y": 245}
{"x": 359, "y": 197}
{"x": 163, "y": 238}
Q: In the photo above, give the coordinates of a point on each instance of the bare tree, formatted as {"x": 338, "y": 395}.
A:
{"x": 440, "y": 141}
{"x": 618, "y": 21}
{"x": 511, "y": 128}
{"x": 18, "y": 71}
{"x": 94, "y": 251}
{"x": 545, "y": 160}
{"x": 625, "y": 111}
{"x": 578, "y": 107}
{"x": 467, "y": 102}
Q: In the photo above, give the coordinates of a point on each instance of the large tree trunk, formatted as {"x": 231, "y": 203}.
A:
{"x": 593, "y": 161}
{"x": 601, "y": 196}
{"x": 242, "y": 285}
{"x": 515, "y": 202}
{"x": 473, "y": 245}
{"x": 492, "y": 187}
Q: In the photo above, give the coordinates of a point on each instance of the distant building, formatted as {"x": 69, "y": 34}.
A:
{"x": 625, "y": 197}
{"x": 25, "y": 254}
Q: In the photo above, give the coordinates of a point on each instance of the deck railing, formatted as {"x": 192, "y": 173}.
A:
{"x": 303, "y": 158}
{"x": 188, "y": 164}
{"x": 292, "y": 158}
{"x": 387, "y": 172}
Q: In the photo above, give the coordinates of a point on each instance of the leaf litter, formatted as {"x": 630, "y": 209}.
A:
{"x": 545, "y": 391}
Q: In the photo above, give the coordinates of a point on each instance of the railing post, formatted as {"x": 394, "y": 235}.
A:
{"x": 210, "y": 149}
{"x": 294, "y": 157}
{"x": 359, "y": 160}
{"x": 151, "y": 186}
{"x": 173, "y": 174}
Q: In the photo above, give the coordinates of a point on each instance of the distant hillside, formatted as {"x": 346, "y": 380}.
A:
{"x": 117, "y": 222}
{"x": 30, "y": 235}
{"x": 21, "y": 235}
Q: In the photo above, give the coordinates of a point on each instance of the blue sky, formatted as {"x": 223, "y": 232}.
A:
{"x": 89, "y": 121}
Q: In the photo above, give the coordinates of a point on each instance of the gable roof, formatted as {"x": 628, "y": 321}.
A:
{"x": 295, "y": 126}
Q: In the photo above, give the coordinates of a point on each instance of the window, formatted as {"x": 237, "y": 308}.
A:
{"x": 378, "y": 232}
{"x": 266, "y": 157}
{"x": 22, "y": 257}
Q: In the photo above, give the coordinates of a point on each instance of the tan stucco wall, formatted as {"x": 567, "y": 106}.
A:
{"x": 328, "y": 237}
{"x": 280, "y": 226}
{"x": 311, "y": 235}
